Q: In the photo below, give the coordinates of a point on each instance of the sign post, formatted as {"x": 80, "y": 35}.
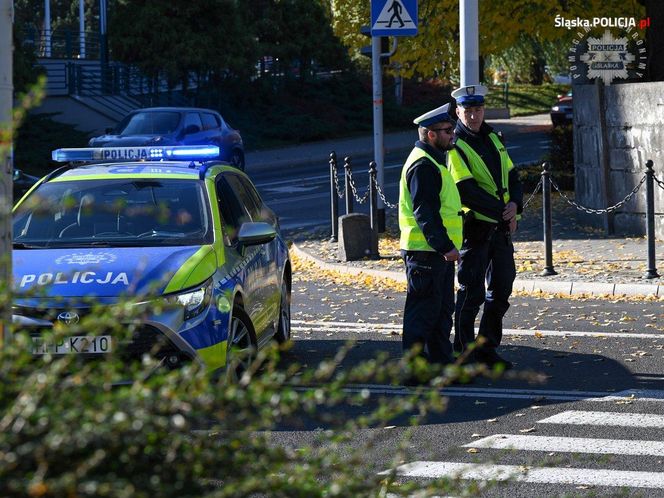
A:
{"x": 388, "y": 18}
{"x": 469, "y": 42}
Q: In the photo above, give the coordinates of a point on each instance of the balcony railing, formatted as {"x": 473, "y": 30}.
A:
{"x": 63, "y": 43}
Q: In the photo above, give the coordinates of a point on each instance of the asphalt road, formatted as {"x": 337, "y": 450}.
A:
{"x": 300, "y": 194}
{"x": 590, "y": 426}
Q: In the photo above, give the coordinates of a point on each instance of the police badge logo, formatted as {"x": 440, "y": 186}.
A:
{"x": 607, "y": 57}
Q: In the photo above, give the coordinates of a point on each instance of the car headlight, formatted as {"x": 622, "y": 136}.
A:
{"x": 194, "y": 301}
{"x": 555, "y": 108}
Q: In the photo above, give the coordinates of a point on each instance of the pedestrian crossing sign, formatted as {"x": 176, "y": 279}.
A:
{"x": 393, "y": 17}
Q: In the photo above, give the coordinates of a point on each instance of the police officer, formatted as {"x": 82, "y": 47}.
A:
{"x": 430, "y": 220}
{"x": 492, "y": 198}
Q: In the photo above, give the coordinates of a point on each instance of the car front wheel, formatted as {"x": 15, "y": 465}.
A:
{"x": 241, "y": 348}
{"x": 284, "y": 330}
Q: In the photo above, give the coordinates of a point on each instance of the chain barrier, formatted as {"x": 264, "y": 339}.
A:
{"x": 532, "y": 196}
{"x": 381, "y": 194}
{"x": 341, "y": 194}
{"x": 360, "y": 200}
{"x": 658, "y": 181}
{"x": 599, "y": 211}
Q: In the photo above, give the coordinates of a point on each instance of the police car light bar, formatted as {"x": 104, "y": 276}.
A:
{"x": 117, "y": 154}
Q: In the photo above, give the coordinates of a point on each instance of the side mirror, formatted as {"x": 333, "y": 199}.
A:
{"x": 17, "y": 174}
{"x": 253, "y": 233}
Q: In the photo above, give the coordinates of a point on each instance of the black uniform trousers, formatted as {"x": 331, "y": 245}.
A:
{"x": 487, "y": 254}
{"x": 427, "y": 319}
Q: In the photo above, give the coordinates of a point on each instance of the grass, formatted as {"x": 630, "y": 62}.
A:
{"x": 524, "y": 100}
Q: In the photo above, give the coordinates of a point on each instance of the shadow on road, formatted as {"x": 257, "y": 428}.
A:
{"x": 566, "y": 376}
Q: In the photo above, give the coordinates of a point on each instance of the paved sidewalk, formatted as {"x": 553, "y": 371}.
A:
{"x": 598, "y": 267}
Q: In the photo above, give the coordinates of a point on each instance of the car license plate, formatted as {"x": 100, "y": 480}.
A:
{"x": 76, "y": 344}
{"x": 569, "y": 115}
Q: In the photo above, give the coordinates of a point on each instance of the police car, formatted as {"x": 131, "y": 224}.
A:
{"x": 186, "y": 238}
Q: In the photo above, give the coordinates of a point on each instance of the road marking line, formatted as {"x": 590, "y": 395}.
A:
{"x": 370, "y": 327}
{"x": 570, "y": 444}
{"x": 344, "y": 324}
{"x": 532, "y": 394}
{"x": 550, "y": 475}
{"x": 577, "y": 417}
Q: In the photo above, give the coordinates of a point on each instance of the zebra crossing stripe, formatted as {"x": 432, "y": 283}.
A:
{"x": 543, "y": 475}
{"x": 578, "y": 417}
{"x": 570, "y": 445}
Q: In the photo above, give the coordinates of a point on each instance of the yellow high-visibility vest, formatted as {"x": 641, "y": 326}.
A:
{"x": 412, "y": 238}
{"x": 480, "y": 172}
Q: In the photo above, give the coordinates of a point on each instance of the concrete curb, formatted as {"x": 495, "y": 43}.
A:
{"x": 531, "y": 286}
{"x": 348, "y": 269}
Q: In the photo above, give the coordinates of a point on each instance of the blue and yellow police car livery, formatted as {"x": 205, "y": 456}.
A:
{"x": 152, "y": 225}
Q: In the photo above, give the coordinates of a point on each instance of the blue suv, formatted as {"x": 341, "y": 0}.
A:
{"x": 159, "y": 126}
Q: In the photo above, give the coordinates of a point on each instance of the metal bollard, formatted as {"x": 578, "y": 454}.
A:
{"x": 334, "y": 200}
{"x": 546, "y": 213}
{"x": 650, "y": 219}
{"x": 373, "y": 210}
{"x": 348, "y": 171}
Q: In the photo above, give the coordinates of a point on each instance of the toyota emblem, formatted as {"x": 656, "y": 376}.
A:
{"x": 68, "y": 317}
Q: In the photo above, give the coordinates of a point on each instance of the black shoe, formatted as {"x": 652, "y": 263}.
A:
{"x": 490, "y": 358}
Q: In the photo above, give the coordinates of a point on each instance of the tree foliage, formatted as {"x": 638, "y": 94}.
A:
{"x": 502, "y": 24}
{"x": 178, "y": 37}
{"x": 222, "y": 38}
{"x": 295, "y": 34}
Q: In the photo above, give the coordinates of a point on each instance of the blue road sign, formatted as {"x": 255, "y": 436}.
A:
{"x": 393, "y": 17}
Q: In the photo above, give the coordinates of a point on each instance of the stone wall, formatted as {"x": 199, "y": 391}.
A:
{"x": 617, "y": 128}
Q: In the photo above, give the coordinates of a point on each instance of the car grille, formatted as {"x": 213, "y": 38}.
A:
{"x": 144, "y": 339}
{"x": 43, "y": 313}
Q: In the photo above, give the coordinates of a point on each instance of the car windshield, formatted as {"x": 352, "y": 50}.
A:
{"x": 150, "y": 123}
{"x": 128, "y": 212}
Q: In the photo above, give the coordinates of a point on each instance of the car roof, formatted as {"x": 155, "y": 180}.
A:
{"x": 182, "y": 170}
{"x": 173, "y": 109}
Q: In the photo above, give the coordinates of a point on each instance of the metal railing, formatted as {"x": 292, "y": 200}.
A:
{"x": 63, "y": 43}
